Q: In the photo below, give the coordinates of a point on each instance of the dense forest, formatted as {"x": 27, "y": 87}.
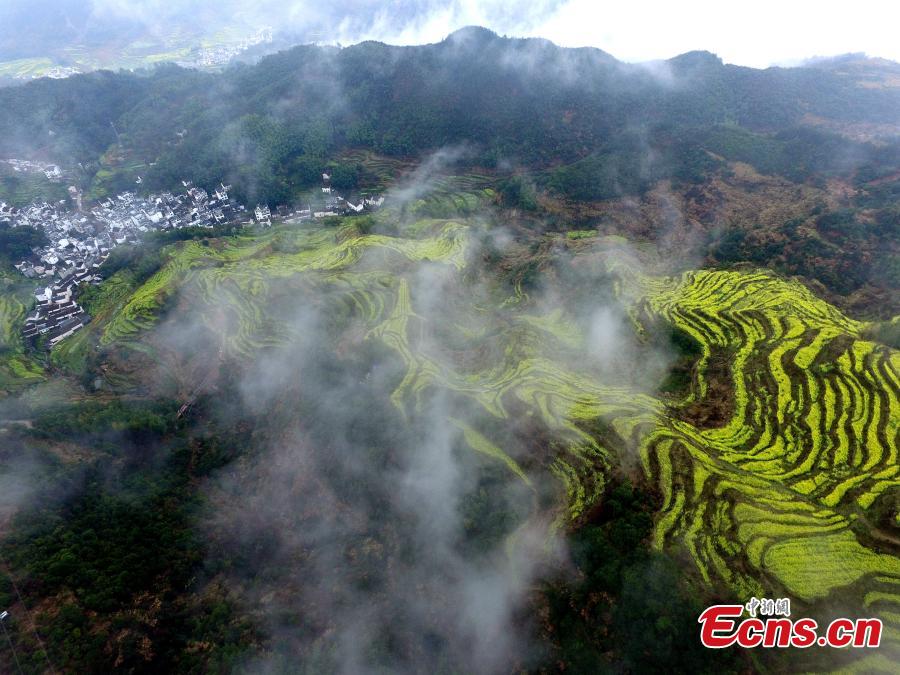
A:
{"x": 579, "y": 125}
{"x": 582, "y": 127}
{"x": 524, "y": 101}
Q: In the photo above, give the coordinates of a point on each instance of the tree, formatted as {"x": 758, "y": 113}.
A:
{"x": 16, "y": 242}
{"x": 346, "y": 176}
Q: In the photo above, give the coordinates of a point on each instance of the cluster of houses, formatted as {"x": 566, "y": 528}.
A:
{"x": 263, "y": 215}
{"x": 220, "y": 55}
{"x": 56, "y": 313}
{"x": 129, "y": 214}
{"x": 336, "y": 205}
{"x": 51, "y": 171}
{"x": 80, "y": 242}
{"x": 328, "y": 203}
{"x": 54, "y": 73}
{"x": 60, "y": 72}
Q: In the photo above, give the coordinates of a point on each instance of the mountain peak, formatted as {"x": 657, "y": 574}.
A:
{"x": 695, "y": 63}
{"x": 471, "y": 34}
{"x": 696, "y": 59}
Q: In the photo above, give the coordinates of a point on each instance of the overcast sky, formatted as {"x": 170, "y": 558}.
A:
{"x": 759, "y": 33}
{"x": 754, "y": 33}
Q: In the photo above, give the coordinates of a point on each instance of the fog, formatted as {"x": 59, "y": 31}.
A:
{"x": 360, "y": 531}
{"x": 634, "y": 32}
{"x": 391, "y": 503}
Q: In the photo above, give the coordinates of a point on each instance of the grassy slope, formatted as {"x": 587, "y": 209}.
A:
{"x": 17, "y": 369}
{"x": 766, "y": 503}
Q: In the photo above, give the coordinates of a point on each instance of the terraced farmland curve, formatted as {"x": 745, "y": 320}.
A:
{"x": 17, "y": 367}
{"x": 772, "y": 499}
{"x": 775, "y": 497}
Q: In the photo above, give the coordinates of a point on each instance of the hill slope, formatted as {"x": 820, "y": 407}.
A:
{"x": 770, "y": 465}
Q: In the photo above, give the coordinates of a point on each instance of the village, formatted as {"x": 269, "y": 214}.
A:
{"x": 213, "y": 52}
{"x": 51, "y": 171}
{"x": 328, "y": 203}
{"x": 218, "y": 56}
{"x": 81, "y": 240}
{"x": 54, "y": 73}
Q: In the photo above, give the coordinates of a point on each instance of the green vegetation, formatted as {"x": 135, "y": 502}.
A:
{"x": 400, "y": 103}
{"x": 21, "y": 190}
{"x": 885, "y": 332}
{"x": 796, "y": 153}
{"x": 546, "y": 143}
{"x": 791, "y": 458}
{"x": 518, "y": 192}
{"x": 744, "y": 442}
{"x": 754, "y": 471}
{"x": 631, "y": 606}
{"x": 24, "y": 68}
{"x": 17, "y": 367}
{"x": 601, "y": 177}
{"x": 17, "y": 242}
{"x": 115, "y": 563}
{"x": 795, "y": 358}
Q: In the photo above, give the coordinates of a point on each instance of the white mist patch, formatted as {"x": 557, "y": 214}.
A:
{"x": 606, "y": 341}
{"x": 344, "y": 526}
{"x": 19, "y": 480}
{"x": 422, "y": 179}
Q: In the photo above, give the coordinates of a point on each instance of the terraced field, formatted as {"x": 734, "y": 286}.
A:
{"x": 443, "y": 197}
{"x": 379, "y": 171}
{"x": 25, "y": 68}
{"x": 17, "y": 369}
{"x": 774, "y": 499}
{"x": 21, "y": 189}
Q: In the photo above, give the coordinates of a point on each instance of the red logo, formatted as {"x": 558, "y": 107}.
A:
{"x": 722, "y": 626}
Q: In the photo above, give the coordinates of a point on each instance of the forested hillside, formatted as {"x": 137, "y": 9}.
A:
{"x": 517, "y": 100}
{"x": 575, "y": 125}
{"x": 618, "y": 342}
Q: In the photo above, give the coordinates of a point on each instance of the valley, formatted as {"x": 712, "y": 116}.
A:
{"x": 779, "y": 498}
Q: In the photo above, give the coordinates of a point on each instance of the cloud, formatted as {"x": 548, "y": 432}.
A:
{"x": 344, "y": 527}
{"x": 758, "y": 35}
{"x": 356, "y": 535}
{"x": 422, "y": 179}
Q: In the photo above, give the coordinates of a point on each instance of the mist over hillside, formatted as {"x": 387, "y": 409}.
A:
{"x": 482, "y": 355}
{"x": 58, "y": 38}
{"x": 575, "y": 125}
